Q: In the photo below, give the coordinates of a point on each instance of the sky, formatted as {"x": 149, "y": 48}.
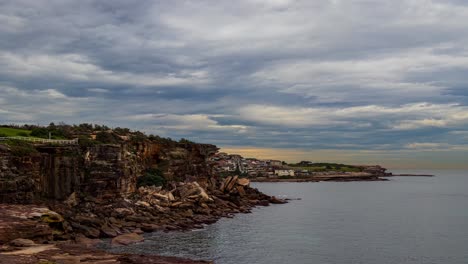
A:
{"x": 357, "y": 81}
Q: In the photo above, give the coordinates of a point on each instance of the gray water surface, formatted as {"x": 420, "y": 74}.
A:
{"x": 405, "y": 220}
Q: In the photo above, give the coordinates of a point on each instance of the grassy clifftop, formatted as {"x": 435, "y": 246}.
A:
{"x": 14, "y": 132}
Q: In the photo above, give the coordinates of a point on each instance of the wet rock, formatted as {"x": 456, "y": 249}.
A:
{"x": 275, "y": 200}
{"x": 150, "y": 227}
{"x": 108, "y": 231}
{"x": 87, "y": 242}
{"x": 138, "y": 231}
{"x": 127, "y": 239}
{"x": 86, "y": 230}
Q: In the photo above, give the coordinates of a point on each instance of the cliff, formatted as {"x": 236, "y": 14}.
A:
{"x": 92, "y": 188}
{"x": 55, "y": 172}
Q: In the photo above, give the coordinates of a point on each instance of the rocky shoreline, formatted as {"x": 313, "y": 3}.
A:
{"x": 327, "y": 178}
{"x": 412, "y": 175}
{"x": 68, "y": 231}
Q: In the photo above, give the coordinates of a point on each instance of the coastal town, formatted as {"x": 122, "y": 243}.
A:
{"x": 277, "y": 170}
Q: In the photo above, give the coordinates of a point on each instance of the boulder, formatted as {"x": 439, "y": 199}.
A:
{"x": 124, "y": 211}
{"x": 108, "y": 231}
{"x": 275, "y": 200}
{"x": 51, "y": 217}
{"x": 88, "y": 220}
{"x": 240, "y": 190}
{"x": 170, "y": 196}
{"x": 142, "y": 203}
{"x": 86, "y": 230}
{"x": 231, "y": 184}
{"x": 225, "y": 183}
{"x": 187, "y": 190}
{"x": 21, "y": 242}
{"x": 176, "y": 204}
{"x": 243, "y": 182}
{"x": 72, "y": 200}
{"x": 127, "y": 239}
{"x": 87, "y": 242}
{"x": 202, "y": 193}
{"x": 149, "y": 227}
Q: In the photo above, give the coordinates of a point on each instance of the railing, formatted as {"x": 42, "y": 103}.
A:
{"x": 45, "y": 141}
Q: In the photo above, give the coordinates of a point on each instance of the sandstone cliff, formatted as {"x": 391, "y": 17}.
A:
{"x": 93, "y": 187}
{"x": 55, "y": 172}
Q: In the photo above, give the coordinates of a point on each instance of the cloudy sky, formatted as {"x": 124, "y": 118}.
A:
{"x": 361, "y": 81}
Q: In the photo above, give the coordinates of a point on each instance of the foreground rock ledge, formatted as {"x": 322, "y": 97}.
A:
{"x": 30, "y": 233}
{"x": 66, "y": 253}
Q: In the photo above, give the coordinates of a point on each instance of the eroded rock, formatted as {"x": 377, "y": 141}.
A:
{"x": 127, "y": 239}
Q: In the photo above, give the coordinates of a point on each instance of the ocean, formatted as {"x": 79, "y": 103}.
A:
{"x": 413, "y": 220}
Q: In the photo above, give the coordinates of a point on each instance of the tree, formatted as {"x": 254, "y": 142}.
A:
{"x": 40, "y": 132}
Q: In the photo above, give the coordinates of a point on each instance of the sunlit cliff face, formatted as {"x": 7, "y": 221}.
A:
{"x": 350, "y": 81}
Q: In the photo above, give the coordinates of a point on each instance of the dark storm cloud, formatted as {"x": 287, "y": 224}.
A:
{"x": 280, "y": 73}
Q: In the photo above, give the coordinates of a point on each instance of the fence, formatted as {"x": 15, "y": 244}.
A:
{"x": 44, "y": 141}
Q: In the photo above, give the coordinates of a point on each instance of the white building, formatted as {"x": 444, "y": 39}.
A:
{"x": 284, "y": 172}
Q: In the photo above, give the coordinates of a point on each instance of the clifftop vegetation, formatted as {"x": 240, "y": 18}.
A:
{"x": 88, "y": 134}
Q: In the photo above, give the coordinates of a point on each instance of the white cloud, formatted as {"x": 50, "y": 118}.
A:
{"x": 376, "y": 77}
{"x": 424, "y": 145}
{"x": 405, "y": 117}
{"x": 76, "y": 67}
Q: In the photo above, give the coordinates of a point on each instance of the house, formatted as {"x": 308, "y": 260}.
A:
{"x": 276, "y": 163}
{"x": 285, "y": 172}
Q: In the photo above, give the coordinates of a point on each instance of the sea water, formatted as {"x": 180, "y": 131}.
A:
{"x": 414, "y": 220}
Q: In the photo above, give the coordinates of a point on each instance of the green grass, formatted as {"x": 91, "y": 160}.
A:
{"x": 309, "y": 168}
{"x": 13, "y": 132}
{"x": 320, "y": 167}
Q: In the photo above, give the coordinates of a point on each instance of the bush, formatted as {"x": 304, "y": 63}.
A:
{"x": 23, "y": 134}
{"x": 107, "y": 138}
{"x": 40, "y": 132}
{"x": 21, "y": 148}
{"x": 3, "y": 135}
{"x": 153, "y": 177}
{"x": 85, "y": 141}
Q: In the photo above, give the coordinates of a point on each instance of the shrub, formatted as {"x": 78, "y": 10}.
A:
{"x": 85, "y": 141}
{"x": 40, "y": 132}
{"x": 107, "y": 138}
{"x": 21, "y": 148}
{"x": 152, "y": 177}
{"x": 23, "y": 134}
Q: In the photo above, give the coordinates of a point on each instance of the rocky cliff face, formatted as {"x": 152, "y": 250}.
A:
{"x": 55, "y": 172}
{"x": 52, "y": 172}
{"x": 92, "y": 191}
